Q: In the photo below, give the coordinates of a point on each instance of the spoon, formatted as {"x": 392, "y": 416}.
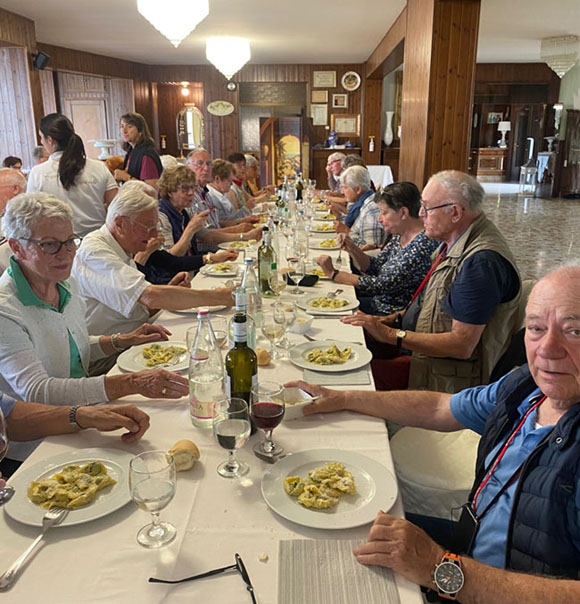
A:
{"x": 334, "y": 293}
{"x": 6, "y": 494}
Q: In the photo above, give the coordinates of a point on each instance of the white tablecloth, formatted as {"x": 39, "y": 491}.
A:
{"x": 100, "y": 561}
{"x": 381, "y": 175}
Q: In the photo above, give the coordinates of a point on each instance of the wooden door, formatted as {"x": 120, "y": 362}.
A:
{"x": 571, "y": 165}
{"x": 519, "y": 147}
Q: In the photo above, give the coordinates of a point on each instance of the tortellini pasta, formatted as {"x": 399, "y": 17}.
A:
{"x": 157, "y": 354}
{"x": 328, "y": 243}
{"x": 328, "y": 356}
{"x": 325, "y": 228}
{"x": 325, "y": 302}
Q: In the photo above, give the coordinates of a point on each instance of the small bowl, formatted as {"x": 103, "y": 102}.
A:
{"x": 303, "y": 323}
{"x": 295, "y": 400}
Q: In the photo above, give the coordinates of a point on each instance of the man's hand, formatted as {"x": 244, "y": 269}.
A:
{"x": 158, "y": 383}
{"x": 341, "y": 227}
{"x": 143, "y": 335}
{"x": 325, "y": 263}
{"x": 402, "y": 546}
{"x": 329, "y": 401}
{"x": 375, "y": 325}
{"x": 107, "y": 418}
{"x": 224, "y": 256}
{"x": 181, "y": 279}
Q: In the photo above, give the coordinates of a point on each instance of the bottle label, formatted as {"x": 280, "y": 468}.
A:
{"x": 240, "y": 301}
{"x": 240, "y": 332}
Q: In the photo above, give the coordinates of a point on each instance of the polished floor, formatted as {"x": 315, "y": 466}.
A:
{"x": 543, "y": 233}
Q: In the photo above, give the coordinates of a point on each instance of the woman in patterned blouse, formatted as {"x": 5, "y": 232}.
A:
{"x": 389, "y": 280}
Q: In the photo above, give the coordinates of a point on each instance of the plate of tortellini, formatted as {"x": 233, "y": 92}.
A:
{"x": 329, "y": 488}
{"x": 330, "y": 356}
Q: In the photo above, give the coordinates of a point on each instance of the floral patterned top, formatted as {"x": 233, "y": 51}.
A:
{"x": 393, "y": 276}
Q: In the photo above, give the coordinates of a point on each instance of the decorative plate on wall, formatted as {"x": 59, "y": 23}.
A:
{"x": 350, "y": 81}
{"x": 220, "y": 108}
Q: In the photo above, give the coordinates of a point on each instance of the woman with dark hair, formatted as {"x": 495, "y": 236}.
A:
{"x": 12, "y": 162}
{"x": 86, "y": 184}
{"x": 389, "y": 279}
{"x": 142, "y": 161}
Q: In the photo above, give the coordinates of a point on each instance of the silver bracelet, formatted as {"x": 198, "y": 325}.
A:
{"x": 115, "y": 342}
{"x": 72, "y": 417}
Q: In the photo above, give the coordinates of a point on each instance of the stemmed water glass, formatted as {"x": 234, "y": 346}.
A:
{"x": 298, "y": 272}
{"x": 267, "y": 411}
{"x": 231, "y": 427}
{"x": 276, "y": 282}
{"x": 152, "y": 484}
{"x": 285, "y": 313}
{"x": 273, "y": 330}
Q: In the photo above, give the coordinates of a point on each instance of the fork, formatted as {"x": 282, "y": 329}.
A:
{"x": 334, "y": 293}
{"x": 53, "y": 517}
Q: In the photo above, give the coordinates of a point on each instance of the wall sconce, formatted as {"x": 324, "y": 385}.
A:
{"x": 184, "y": 88}
{"x": 558, "y": 108}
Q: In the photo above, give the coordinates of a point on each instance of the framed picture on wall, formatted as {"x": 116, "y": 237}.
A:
{"x": 319, "y": 114}
{"x": 324, "y": 79}
{"x": 345, "y": 124}
{"x": 494, "y": 117}
{"x": 319, "y": 96}
{"x": 340, "y": 101}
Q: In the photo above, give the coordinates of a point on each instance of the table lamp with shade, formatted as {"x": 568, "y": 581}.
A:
{"x": 503, "y": 127}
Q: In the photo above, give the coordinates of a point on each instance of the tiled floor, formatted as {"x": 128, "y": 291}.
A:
{"x": 542, "y": 233}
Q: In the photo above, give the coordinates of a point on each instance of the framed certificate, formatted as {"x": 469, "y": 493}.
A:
{"x": 319, "y": 114}
{"x": 324, "y": 79}
{"x": 345, "y": 124}
{"x": 319, "y": 96}
{"x": 340, "y": 101}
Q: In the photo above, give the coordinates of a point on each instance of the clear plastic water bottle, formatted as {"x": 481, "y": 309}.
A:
{"x": 252, "y": 290}
{"x": 240, "y": 296}
{"x": 206, "y": 372}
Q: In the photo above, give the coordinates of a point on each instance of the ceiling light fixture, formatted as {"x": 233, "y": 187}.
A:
{"x": 560, "y": 53}
{"x": 228, "y": 54}
{"x": 175, "y": 19}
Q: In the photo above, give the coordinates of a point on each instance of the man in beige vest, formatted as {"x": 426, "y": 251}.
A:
{"x": 462, "y": 319}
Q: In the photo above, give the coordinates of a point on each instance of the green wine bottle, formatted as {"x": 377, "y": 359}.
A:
{"x": 265, "y": 258}
{"x": 241, "y": 362}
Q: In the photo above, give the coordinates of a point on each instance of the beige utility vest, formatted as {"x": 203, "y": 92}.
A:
{"x": 448, "y": 374}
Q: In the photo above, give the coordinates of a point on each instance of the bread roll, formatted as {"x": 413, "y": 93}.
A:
{"x": 185, "y": 454}
{"x": 264, "y": 357}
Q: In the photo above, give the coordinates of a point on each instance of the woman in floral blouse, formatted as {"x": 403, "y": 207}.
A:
{"x": 389, "y": 280}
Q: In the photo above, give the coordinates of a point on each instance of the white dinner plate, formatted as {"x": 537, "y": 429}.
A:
{"x": 227, "y": 245}
{"x": 211, "y": 270}
{"x": 108, "y": 500}
{"x": 316, "y": 230}
{"x": 315, "y": 245}
{"x": 305, "y": 304}
{"x": 195, "y": 309}
{"x": 321, "y": 217}
{"x": 359, "y": 358}
{"x": 376, "y": 489}
{"x": 132, "y": 359}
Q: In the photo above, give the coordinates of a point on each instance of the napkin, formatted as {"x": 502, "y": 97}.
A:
{"x": 360, "y": 377}
{"x": 326, "y": 571}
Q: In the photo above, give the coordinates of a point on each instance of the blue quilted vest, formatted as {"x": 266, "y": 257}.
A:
{"x": 543, "y": 533}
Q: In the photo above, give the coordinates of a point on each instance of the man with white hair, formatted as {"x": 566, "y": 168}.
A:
{"x": 362, "y": 220}
{"x": 518, "y": 538}
{"x": 12, "y": 182}
{"x": 117, "y": 294}
{"x": 334, "y": 169}
{"x": 461, "y": 318}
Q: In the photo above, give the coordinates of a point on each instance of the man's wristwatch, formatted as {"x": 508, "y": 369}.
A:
{"x": 401, "y": 335}
{"x": 448, "y": 576}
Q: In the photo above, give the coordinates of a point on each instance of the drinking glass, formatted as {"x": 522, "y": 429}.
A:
{"x": 277, "y": 282}
{"x": 267, "y": 411}
{"x": 273, "y": 330}
{"x": 298, "y": 268}
{"x": 220, "y": 329}
{"x": 152, "y": 485}
{"x": 285, "y": 313}
{"x": 231, "y": 427}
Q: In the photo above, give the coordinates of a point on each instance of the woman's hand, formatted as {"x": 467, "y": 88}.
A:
{"x": 329, "y": 401}
{"x": 254, "y": 234}
{"x": 107, "y": 418}
{"x": 197, "y": 222}
{"x": 374, "y": 325}
{"x": 182, "y": 279}
{"x": 143, "y": 335}
{"x": 224, "y": 256}
{"x": 325, "y": 263}
{"x": 158, "y": 383}
{"x": 346, "y": 243}
{"x": 121, "y": 175}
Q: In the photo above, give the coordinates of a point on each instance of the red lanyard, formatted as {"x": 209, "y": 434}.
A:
{"x": 502, "y": 453}
{"x": 428, "y": 275}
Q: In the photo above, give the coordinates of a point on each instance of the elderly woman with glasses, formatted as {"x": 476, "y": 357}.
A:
{"x": 389, "y": 280}
{"x": 45, "y": 349}
{"x": 177, "y": 230}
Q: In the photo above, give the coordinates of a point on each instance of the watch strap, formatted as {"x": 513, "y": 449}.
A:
{"x": 449, "y": 558}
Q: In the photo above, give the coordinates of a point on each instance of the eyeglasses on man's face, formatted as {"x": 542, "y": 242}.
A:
{"x": 53, "y": 246}
{"x": 150, "y": 229}
{"x": 200, "y": 163}
{"x": 443, "y": 205}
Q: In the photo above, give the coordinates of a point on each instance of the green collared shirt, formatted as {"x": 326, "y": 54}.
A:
{"x": 28, "y": 298}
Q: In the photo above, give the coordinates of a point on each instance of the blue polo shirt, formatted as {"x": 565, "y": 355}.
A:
{"x": 471, "y": 408}
{"x": 6, "y": 404}
{"x": 28, "y": 298}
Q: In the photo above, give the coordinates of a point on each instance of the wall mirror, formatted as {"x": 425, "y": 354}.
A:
{"x": 190, "y": 128}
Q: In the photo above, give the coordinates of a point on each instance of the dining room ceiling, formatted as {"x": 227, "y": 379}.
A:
{"x": 324, "y": 31}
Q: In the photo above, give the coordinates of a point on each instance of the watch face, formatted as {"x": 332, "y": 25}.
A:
{"x": 448, "y": 577}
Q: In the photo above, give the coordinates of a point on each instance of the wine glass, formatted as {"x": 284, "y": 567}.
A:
{"x": 267, "y": 411}
{"x": 152, "y": 484}
{"x": 285, "y": 313}
{"x": 298, "y": 272}
{"x": 220, "y": 329}
{"x": 276, "y": 282}
{"x": 273, "y": 330}
{"x": 231, "y": 427}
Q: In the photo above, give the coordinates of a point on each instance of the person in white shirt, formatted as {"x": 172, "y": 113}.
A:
{"x": 86, "y": 184}
{"x": 118, "y": 296}
{"x": 12, "y": 182}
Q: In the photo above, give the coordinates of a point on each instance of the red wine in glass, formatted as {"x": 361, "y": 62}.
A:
{"x": 267, "y": 415}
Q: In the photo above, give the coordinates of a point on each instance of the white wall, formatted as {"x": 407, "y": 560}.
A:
{"x": 569, "y": 94}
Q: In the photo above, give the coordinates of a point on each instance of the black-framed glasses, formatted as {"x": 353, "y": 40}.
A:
{"x": 53, "y": 246}
{"x": 239, "y": 566}
{"x": 443, "y": 205}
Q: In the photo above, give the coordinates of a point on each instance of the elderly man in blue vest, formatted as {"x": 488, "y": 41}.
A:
{"x": 523, "y": 513}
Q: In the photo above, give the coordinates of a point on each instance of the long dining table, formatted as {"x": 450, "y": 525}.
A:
{"x": 101, "y": 561}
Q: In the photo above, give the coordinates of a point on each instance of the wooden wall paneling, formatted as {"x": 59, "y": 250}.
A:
{"x": 17, "y": 128}
{"x": 48, "y": 91}
{"x": 372, "y": 121}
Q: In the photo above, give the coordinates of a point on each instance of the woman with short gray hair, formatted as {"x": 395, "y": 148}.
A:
{"x": 45, "y": 349}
